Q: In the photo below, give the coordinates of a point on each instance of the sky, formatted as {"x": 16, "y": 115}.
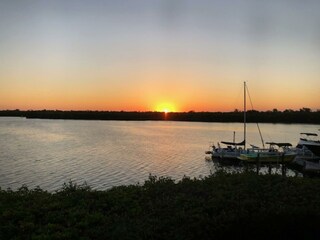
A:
{"x": 157, "y": 55}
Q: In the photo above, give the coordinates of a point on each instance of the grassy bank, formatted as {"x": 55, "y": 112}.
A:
{"x": 223, "y": 205}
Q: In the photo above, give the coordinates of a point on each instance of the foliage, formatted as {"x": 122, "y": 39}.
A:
{"x": 223, "y": 205}
{"x": 304, "y": 115}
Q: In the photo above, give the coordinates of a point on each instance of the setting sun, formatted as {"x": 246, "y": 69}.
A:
{"x": 165, "y": 107}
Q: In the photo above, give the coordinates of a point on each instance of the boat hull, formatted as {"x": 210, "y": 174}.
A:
{"x": 226, "y": 155}
{"x": 267, "y": 157}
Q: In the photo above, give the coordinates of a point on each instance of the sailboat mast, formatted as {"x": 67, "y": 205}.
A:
{"x": 244, "y": 116}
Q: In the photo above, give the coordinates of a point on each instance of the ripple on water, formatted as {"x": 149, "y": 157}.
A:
{"x": 49, "y": 153}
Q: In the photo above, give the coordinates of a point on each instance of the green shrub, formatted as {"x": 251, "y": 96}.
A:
{"x": 236, "y": 205}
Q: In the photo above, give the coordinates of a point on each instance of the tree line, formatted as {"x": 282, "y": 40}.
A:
{"x": 304, "y": 115}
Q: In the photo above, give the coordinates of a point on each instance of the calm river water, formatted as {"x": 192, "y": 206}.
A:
{"x": 47, "y": 153}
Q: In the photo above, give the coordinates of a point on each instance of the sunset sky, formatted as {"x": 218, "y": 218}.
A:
{"x": 144, "y": 55}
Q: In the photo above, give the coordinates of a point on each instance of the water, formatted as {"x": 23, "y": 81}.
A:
{"x": 48, "y": 153}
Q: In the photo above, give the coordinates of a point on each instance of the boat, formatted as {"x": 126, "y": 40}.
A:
{"x": 276, "y": 153}
{"x": 231, "y": 151}
{"x": 310, "y": 143}
{"x": 283, "y": 152}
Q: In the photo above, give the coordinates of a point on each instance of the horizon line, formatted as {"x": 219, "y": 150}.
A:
{"x": 304, "y": 109}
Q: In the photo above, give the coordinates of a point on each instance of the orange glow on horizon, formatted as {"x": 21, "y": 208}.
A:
{"x": 154, "y": 96}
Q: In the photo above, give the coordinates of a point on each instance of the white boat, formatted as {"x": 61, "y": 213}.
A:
{"x": 283, "y": 153}
{"x": 310, "y": 143}
{"x": 266, "y": 155}
{"x": 276, "y": 153}
{"x": 232, "y": 150}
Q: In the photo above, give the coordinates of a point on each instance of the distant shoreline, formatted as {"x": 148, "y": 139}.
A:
{"x": 301, "y": 116}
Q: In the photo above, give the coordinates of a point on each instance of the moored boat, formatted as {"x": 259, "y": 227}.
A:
{"x": 233, "y": 149}
{"x": 310, "y": 143}
{"x": 282, "y": 154}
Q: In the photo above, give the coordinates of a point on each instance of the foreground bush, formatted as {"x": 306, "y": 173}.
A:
{"x": 242, "y": 205}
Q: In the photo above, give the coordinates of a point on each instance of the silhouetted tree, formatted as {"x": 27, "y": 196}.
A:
{"x": 305, "y": 110}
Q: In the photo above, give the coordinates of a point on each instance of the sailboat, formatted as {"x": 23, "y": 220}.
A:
{"x": 232, "y": 150}
{"x": 276, "y": 153}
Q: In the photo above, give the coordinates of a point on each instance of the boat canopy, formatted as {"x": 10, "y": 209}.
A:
{"x": 235, "y": 144}
{"x": 254, "y": 147}
{"x": 280, "y": 144}
{"x": 310, "y": 134}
